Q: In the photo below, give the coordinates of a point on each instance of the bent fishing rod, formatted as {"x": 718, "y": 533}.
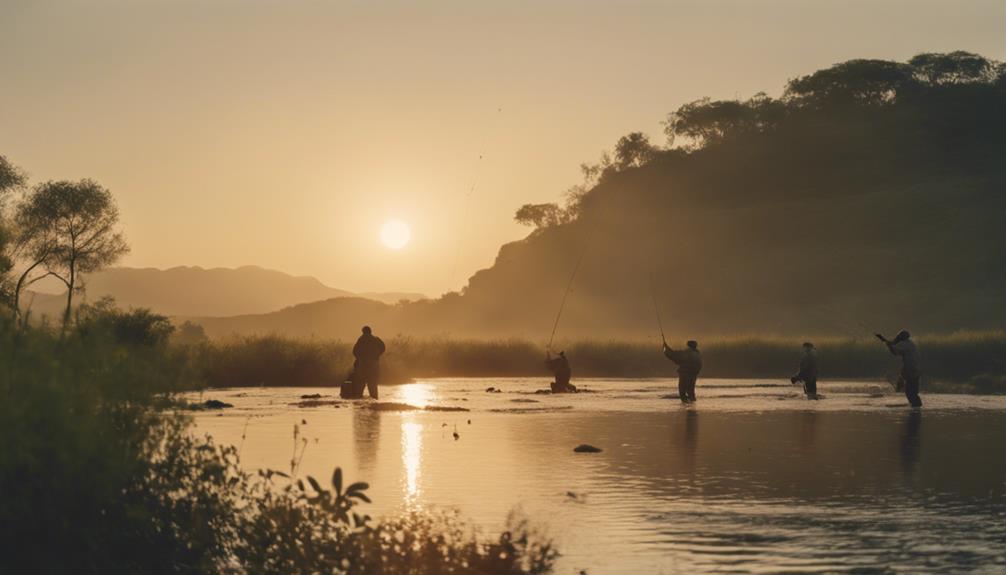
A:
{"x": 569, "y": 286}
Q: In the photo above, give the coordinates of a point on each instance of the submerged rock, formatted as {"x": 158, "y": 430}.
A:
{"x": 493, "y": 390}
{"x": 584, "y": 448}
{"x": 312, "y": 396}
{"x": 209, "y": 404}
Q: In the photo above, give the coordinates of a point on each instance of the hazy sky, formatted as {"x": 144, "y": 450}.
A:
{"x": 284, "y": 133}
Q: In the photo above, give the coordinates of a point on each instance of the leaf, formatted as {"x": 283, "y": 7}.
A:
{"x": 358, "y": 486}
{"x": 362, "y": 497}
{"x": 314, "y": 483}
{"x": 337, "y": 480}
{"x": 280, "y": 473}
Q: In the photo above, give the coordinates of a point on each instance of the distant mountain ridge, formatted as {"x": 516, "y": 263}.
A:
{"x": 210, "y": 292}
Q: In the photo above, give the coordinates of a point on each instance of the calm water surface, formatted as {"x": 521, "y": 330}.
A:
{"x": 753, "y": 478}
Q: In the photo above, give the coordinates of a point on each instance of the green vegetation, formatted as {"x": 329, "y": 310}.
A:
{"x": 100, "y": 473}
{"x": 967, "y": 361}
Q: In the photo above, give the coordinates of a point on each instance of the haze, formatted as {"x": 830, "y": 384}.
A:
{"x": 284, "y": 134}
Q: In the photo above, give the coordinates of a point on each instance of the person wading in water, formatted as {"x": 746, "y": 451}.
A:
{"x": 367, "y": 351}
{"x": 808, "y": 371}
{"x": 560, "y": 367}
{"x": 911, "y": 370}
{"x": 689, "y": 363}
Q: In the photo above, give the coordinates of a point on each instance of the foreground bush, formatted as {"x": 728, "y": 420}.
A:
{"x": 100, "y": 474}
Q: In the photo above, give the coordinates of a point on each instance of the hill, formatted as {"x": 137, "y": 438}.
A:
{"x": 870, "y": 196}
{"x": 196, "y": 291}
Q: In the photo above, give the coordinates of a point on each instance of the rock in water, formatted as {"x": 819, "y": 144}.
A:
{"x": 584, "y": 448}
{"x": 210, "y": 404}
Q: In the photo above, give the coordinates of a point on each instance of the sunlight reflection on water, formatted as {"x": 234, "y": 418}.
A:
{"x": 753, "y": 478}
{"x": 412, "y": 458}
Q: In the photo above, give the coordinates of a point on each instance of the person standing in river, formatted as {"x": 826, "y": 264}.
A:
{"x": 689, "y": 362}
{"x": 911, "y": 372}
{"x": 368, "y": 351}
{"x": 808, "y": 371}
{"x": 563, "y": 372}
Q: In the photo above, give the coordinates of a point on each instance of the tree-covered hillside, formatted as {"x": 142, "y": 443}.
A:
{"x": 871, "y": 192}
{"x": 869, "y": 195}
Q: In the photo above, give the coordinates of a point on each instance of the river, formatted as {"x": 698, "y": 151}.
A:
{"x": 752, "y": 478}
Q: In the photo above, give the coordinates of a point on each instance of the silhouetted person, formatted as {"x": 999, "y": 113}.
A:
{"x": 560, "y": 367}
{"x": 689, "y": 363}
{"x": 911, "y": 371}
{"x": 808, "y": 371}
{"x": 367, "y": 351}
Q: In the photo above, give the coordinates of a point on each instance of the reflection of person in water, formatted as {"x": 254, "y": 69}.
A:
{"x": 808, "y": 430}
{"x": 366, "y": 438}
{"x": 690, "y": 440}
{"x": 911, "y": 441}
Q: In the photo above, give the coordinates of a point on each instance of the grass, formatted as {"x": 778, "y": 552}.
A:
{"x": 962, "y": 361}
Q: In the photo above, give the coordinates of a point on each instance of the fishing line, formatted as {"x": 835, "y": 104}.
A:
{"x": 463, "y": 233}
{"x": 569, "y": 286}
{"x": 656, "y": 308}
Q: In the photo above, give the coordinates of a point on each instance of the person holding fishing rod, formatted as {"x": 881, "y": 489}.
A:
{"x": 559, "y": 366}
{"x": 911, "y": 371}
{"x": 689, "y": 362}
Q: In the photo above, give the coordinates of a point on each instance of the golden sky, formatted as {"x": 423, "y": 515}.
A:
{"x": 285, "y": 133}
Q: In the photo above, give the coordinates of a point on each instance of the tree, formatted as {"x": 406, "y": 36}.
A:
{"x": 858, "y": 82}
{"x": 70, "y": 228}
{"x": 706, "y": 122}
{"x": 190, "y": 333}
{"x": 11, "y": 178}
{"x": 540, "y": 215}
{"x": 633, "y": 150}
{"x": 954, "y": 68}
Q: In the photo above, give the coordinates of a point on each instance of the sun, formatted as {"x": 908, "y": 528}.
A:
{"x": 395, "y": 234}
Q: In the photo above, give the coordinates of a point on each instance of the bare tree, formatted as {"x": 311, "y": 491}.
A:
{"x": 70, "y": 229}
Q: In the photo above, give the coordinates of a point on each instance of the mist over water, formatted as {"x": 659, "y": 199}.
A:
{"x": 753, "y": 477}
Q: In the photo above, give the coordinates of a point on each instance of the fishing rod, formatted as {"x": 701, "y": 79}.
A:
{"x": 656, "y": 308}
{"x": 569, "y": 286}
{"x": 488, "y": 134}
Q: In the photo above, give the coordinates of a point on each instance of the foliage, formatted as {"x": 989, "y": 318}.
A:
{"x": 540, "y": 216}
{"x": 633, "y": 150}
{"x": 11, "y": 178}
{"x": 100, "y": 475}
{"x": 137, "y": 327}
{"x": 70, "y": 228}
{"x": 189, "y": 333}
